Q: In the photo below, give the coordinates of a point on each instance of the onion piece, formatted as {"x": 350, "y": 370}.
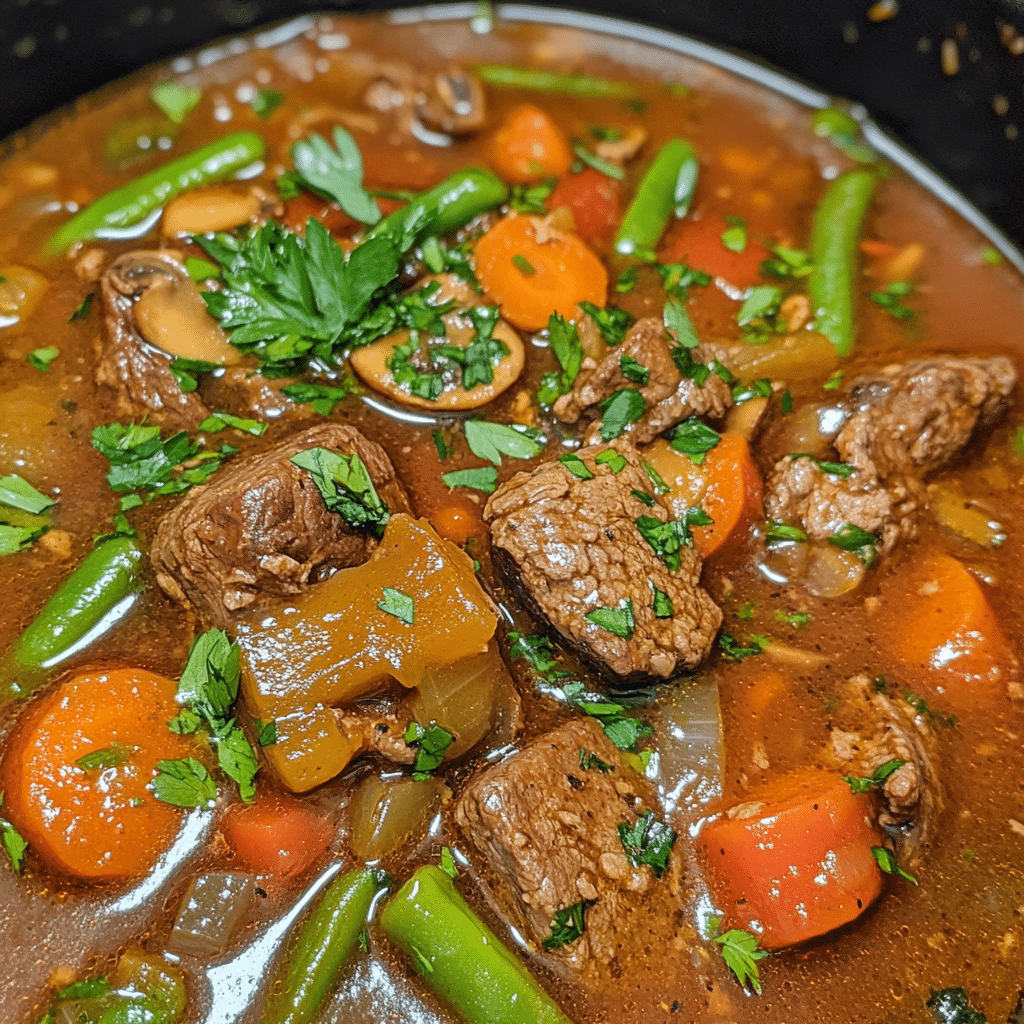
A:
{"x": 212, "y": 909}
{"x": 956, "y": 512}
{"x": 691, "y": 746}
{"x": 384, "y": 812}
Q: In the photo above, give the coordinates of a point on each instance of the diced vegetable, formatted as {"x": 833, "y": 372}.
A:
{"x": 107, "y": 576}
{"x": 698, "y": 244}
{"x": 471, "y": 699}
{"x": 691, "y": 746}
{"x": 936, "y": 619}
{"x": 805, "y": 355}
{"x": 76, "y": 773}
{"x": 385, "y": 812}
{"x": 953, "y": 510}
{"x": 794, "y": 860}
{"x": 593, "y": 199}
{"x": 21, "y": 290}
{"x": 727, "y": 485}
{"x": 276, "y": 835}
{"x": 447, "y": 206}
{"x": 320, "y": 948}
{"x": 217, "y": 208}
{"x": 665, "y": 190}
{"x": 565, "y": 271}
{"x": 337, "y": 644}
{"x": 460, "y": 958}
{"x": 211, "y": 910}
{"x": 130, "y": 203}
{"x": 833, "y": 283}
{"x": 529, "y": 147}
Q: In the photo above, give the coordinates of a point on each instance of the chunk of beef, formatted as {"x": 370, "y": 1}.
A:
{"x": 548, "y": 831}
{"x": 572, "y": 546}
{"x": 870, "y": 728}
{"x": 261, "y": 529}
{"x": 669, "y": 396}
{"x": 138, "y": 373}
{"x": 902, "y": 423}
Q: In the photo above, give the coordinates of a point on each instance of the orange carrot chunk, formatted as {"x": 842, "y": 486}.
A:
{"x": 276, "y": 835}
{"x": 727, "y": 485}
{"x": 937, "y": 621}
{"x": 794, "y": 860}
{"x": 529, "y": 147}
{"x": 77, "y": 768}
{"x": 534, "y": 270}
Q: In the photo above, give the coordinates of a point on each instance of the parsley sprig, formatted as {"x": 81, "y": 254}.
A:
{"x": 647, "y": 841}
{"x": 347, "y": 488}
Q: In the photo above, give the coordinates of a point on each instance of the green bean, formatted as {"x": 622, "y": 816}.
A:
{"x": 460, "y": 958}
{"x": 448, "y": 205}
{"x": 320, "y": 948}
{"x": 104, "y": 578}
{"x": 665, "y": 190}
{"x": 552, "y": 81}
{"x": 834, "y": 239}
{"x": 130, "y": 203}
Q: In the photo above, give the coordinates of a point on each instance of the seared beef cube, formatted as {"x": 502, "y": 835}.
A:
{"x": 903, "y": 423}
{"x": 669, "y": 396}
{"x": 138, "y": 373}
{"x": 573, "y": 548}
{"x": 260, "y": 528}
{"x": 548, "y": 830}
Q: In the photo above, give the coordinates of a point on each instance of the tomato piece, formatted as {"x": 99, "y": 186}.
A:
{"x": 698, "y": 244}
{"x": 595, "y": 201}
{"x": 276, "y": 835}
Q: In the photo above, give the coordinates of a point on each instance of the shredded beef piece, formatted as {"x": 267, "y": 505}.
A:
{"x": 670, "y": 397}
{"x": 571, "y": 546}
{"x": 548, "y": 830}
{"x": 903, "y": 422}
{"x": 139, "y": 374}
{"x": 260, "y": 528}
{"x": 869, "y": 729}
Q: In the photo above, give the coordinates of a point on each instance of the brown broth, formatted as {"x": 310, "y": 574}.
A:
{"x": 960, "y": 926}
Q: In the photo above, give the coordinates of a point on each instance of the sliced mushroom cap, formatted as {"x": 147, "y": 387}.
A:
{"x": 154, "y": 292}
{"x": 455, "y": 103}
{"x": 373, "y": 365}
{"x": 153, "y": 313}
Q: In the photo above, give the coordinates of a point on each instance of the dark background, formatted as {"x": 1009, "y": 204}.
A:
{"x": 966, "y": 125}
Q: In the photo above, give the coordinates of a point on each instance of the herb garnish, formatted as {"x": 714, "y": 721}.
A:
{"x": 612, "y": 322}
{"x": 779, "y": 532}
{"x": 82, "y": 310}
{"x": 13, "y": 842}
{"x": 183, "y": 783}
{"x": 619, "y": 621}
{"x": 667, "y": 539}
{"x": 861, "y": 784}
{"x": 575, "y": 465}
{"x": 611, "y": 458}
{"x": 218, "y": 421}
{"x": 619, "y": 410}
{"x": 398, "y": 604}
{"x": 265, "y": 102}
{"x": 679, "y": 324}
{"x": 840, "y": 469}
{"x": 448, "y": 865}
{"x": 336, "y": 173}
{"x": 175, "y": 100}
{"x": 794, "y": 619}
{"x": 111, "y": 756}
{"x": 16, "y": 492}
{"x": 568, "y": 925}
{"x": 590, "y": 762}
{"x": 663, "y": 607}
{"x": 584, "y": 156}
{"x": 431, "y": 742}
{"x": 532, "y": 198}
{"x": 647, "y": 841}
{"x": 346, "y": 487}
{"x": 787, "y": 263}
{"x": 694, "y": 439}
{"x": 623, "y": 731}
{"x": 568, "y": 350}
{"x": 734, "y": 237}
{"x": 890, "y": 299}
{"x": 735, "y": 650}
{"x": 483, "y": 479}
{"x": 852, "y": 538}
{"x": 492, "y": 440}
{"x": 952, "y": 1006}
{"x": 523, "y": 265}
{"x": 740, "y": 953}
{"x": 886, "y": 860}
{"x": 321, "y": 398}
{"x": 40, "y": 358}
{"x": 763, "y": 301}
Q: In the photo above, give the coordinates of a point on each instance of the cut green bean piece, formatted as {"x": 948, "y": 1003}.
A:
{"x": 834, "y": 239}
{"x": 131, "y": 203}
{"x": 320, "y": 948}
{"x": 460, "y": 958}
{"x": 103, "y": 579}
{"x": 666, "y": 190}
{"x": 449, "y": 205}
{"x": 552, "y": 81}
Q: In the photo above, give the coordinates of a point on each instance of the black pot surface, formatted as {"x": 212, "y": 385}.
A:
{"x": 969, "y": 124}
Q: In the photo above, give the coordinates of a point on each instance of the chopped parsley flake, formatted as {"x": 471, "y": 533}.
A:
{"x": 647, "y": 841}
{"x": 575, "y": 465}
{"x": 619, "y": 621}
{"x": 336, "y": 173}
{"x": 483, "y": 479}
{"x": 619, "y": 410}
{"x": 40, "y": 358}
{"x": 492, "y": 440}
{"x": 763, "y": 301}
{"x": 523, "y": 265}
{"x": 861, "y": 784}
{"x": 852, "y": 538}
{"x": 346, "y": 487}
{"x": 611, "y": 458}
{"x": 613, "y": 323}
{"x": 667, "y": 539}
{"x": 736, "y": 650}
{"x": 886, "y": 860}
{"x": 183, "y": 783}
{"x": 634, "y": 371}
{"x": 400, "y": 605}
{"x": 891, "y": 298}
{"x": 590, "y": 762}
{"x": 431, "y": 742}
{"x": 568, "y": 925}
{"x": 740, "y": 952}
{"x": 321, "y": 398}
{"x": 265, "y": 102}
{"x": 694, "y": 439}
{"x": 679, "y": 324}
{"x": 663, "y": 608}
{"x": 952, "y": 1006}
{"x": 840, "y": 469}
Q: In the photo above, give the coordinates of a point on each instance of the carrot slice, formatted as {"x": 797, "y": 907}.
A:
{"x": 529, "y": 147}
{"x": 794, "y": 860}
{"x": 593, "y": 199}
{"x": 939, "y": 624}
{"x": 76, "y": 771}
{"x": 698, "y": 243}
{"x": 533, "y": 270}
{"x": 276, "y": 835}
{"x": 727, "y": 485}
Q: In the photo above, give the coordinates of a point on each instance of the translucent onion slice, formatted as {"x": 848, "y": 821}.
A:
{"x": 691, "y": 748}
{"x": 210, "y": 913}
{"x": 385, "y": 812}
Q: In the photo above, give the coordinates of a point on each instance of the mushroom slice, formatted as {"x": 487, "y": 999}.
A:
{"x": 454, "y": 103}
{"x": 427, "y": 376}
{"x": 153, "y": 313}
